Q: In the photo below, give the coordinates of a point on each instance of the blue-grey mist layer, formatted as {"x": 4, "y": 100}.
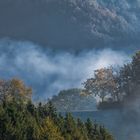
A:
{"x": 56, "y": 44}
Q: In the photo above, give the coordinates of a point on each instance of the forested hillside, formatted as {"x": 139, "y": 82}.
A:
{"x": 20, "y": 119}
{"x": 72, "y": 24}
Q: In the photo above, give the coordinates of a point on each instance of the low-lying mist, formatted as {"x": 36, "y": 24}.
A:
{"x": 48, "y": 71}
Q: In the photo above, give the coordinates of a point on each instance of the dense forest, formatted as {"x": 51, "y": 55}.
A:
{"x": 20, "y": 119}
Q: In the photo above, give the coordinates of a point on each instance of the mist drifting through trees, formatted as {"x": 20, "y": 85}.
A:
{"x": 55, "y": 71}
{"x": 78, "y": 56}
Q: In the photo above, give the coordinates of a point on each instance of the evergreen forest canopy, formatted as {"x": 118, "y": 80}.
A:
{"x": 20, "y": 119}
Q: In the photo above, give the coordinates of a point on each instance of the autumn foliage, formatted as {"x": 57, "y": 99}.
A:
{"x": 20, "y": 119}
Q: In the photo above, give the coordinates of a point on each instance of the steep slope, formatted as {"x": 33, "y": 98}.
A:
{"x": 72, "y": 24}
